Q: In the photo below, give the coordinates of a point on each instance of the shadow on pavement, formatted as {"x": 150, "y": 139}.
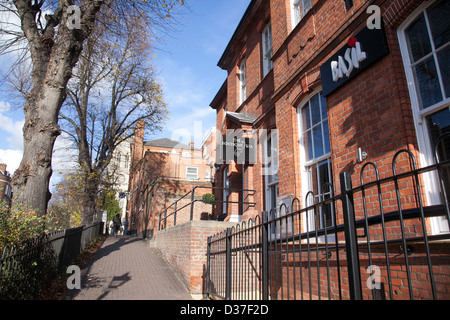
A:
{"x": 89, "y": 281}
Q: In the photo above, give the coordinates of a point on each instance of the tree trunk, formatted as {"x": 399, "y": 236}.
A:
{"x": 31, "y": 179}
{"x": 53, "y": 59}
{"x": 90, "y": 202}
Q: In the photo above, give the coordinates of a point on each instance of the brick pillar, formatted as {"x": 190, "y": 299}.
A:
{"x": 138, "y": 141}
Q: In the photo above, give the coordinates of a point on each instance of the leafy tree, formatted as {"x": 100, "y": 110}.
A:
{"x": 66, "y": 204}
{"x": 110, "y": 204}
{"x": 54, "y": 32}
{"x": 113, "y": 88}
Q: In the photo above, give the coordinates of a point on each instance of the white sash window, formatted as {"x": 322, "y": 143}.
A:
{"x": 425, "y": 46}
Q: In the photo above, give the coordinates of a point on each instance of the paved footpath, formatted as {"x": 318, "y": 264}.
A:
{"x": 126, "y": 268}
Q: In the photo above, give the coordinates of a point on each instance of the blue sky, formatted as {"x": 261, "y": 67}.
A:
{"x": 188, "y": 71}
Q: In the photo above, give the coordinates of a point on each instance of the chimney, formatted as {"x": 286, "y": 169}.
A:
{"x": 3, "y": 168}
{"x": 138, "y": 141}
{"x": 191, "y": 144}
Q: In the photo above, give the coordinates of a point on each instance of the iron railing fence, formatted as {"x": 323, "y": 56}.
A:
{"x": 173, "y": 210}
{"x": 372, "y": 241}
{"x": 26, "y": 268}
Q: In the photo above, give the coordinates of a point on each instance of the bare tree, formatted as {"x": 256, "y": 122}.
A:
{"x": 113, "y": 88}
{"x": 54, "y": 32}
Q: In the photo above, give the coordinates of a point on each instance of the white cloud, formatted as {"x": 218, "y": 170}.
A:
{"x": 187, "y": 96}
{"x": 13, "y": 128}
{"x": 11, "y": 150}
{"x": 63, "y": 159}
{"x": 12, "y": 159}
{"x": 11, "y": 131}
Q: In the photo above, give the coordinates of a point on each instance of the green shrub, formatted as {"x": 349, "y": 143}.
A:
{"x": 29, "y": 259}
{"x": 209, "y": 198}
{"x": 20, "y": 223}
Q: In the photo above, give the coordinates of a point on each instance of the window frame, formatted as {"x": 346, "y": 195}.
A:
{"x": 431, "y": 181}
{"x": 282, "y": 227}
{"x": 271, "y": 178}
{"x": 225, "y": 190}
{"x": 196, "y": 174}
{"x": 295, "y": 6}
{"x": 307, "y": 165}
{"x": 242, "y": 81}
{"x": 267, "y": 50}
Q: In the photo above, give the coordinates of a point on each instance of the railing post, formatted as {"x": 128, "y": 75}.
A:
{"x": 351, "y": 240}
{"x": 175, "y": 214}
{"x": 165, "y": 219}
{"x": 192, "y": 203}
{"x": 228, "y": 266}
{"x": 208, "y": 267}
{"x": 265, "y": 256}
{"x": 159, "y": 221}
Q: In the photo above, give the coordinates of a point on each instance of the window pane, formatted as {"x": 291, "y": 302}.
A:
{"x": 326, "y": 219}
{"x": 306, "y": 118}
{"x": 438, "y": 124}
{"x": 243, "y": 80}
{"x": 323, "y": 106}
{"x": 427, "y": 83}
{"x": 418, "y": 40}
{"x": 273, "y": 196}
{"x": 326, "y": 137}
{"x": 438, "y": 17}
{"x": 308, "y": 5}
{"x": 318, "y": 142}
{"x": 267, "y": 49}
{"x": 274, "y": 147}
{"x": 313, "y": 180}
{"x": 444, "y": 66}
{"x": 269, "y": 148}
{"x": 297, "y": 15}
{"x": 319, "y": 175}
{"x": 315, "y": 110}
{"x": 323, "y": 176}
{"x": 308, "y": 146}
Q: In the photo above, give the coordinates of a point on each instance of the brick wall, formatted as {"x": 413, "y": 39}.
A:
{"x": 371, "y": 111}
{"x": 312, "y": 275}
{"x": 184, "y": 247}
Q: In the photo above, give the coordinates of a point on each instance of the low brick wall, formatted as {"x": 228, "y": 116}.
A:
{"x": 184, "y": 247}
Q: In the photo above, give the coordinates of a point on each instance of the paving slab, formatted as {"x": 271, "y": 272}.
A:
{"x": 126, "y": 268}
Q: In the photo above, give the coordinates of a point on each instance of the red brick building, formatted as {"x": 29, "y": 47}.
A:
{"x": 5, "y": 185}
{"x": 280, "y": 79}
{"x": 161, "y": 172}
{"x": 324, "y": 87}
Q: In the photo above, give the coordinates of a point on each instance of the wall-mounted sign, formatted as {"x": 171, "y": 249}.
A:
{"x": 237, "y": 148}
{"x": 360, "y": 52}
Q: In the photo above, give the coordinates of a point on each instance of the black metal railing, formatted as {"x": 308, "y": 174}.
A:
{"x": 379, "y": 245}
{"x": 173, "y": 210}
{"x": 26, "y": 268}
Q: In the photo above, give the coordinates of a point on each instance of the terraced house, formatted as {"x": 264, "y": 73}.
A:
{"x": 335, "y": 96}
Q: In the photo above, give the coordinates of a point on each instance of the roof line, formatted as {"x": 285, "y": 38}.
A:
{"x": 233, "y": 37}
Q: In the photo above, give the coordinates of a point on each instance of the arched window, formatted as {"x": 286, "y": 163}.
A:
{"x": 315, "y": 149}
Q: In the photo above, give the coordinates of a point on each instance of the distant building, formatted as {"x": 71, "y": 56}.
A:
{"x": 162, "y": 171}
{"x": 119, "y": 168}
{"x": 6, "y": 192}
